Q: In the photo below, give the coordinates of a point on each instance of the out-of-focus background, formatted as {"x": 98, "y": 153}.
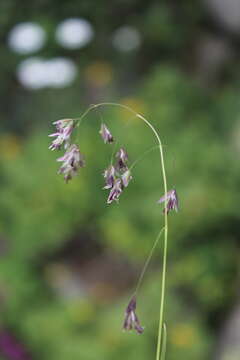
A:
{"x": 69, "y": 262}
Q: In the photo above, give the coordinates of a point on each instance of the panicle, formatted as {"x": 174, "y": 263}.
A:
{"x": 122, "y": 159}
{"x": 126, "y": 177}
{"x": 72, "y": 160}
{"x": 131, "y": 320}
{"x": 64, "y": 129}
{"x": 115, "y": 191}
{"x": 172, "y": 201}
{"x": 105, "y": 134}
{"x": 109, "y": 175}
{"x": 117, "y": 177}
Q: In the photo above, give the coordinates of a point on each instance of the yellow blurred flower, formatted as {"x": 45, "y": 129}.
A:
{"x": 10, "y": 146}
{"x": 81, "y": 312}
{"x": 183, "y": 335}
{"x": 135, "y": 104}
{"x": 110, "y": 338}
{"x": 99, "y": 74}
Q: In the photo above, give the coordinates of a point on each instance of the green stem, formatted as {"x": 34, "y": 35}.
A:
{"x": 164, "y": 267}
{"x": 147, "y": 261}
{"x": 142, "y": 156}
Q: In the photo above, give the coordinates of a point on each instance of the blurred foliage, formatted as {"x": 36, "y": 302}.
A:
{"x": 56, "y": 239}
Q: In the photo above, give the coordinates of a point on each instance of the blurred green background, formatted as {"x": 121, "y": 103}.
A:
{"x": 69, "y": 262}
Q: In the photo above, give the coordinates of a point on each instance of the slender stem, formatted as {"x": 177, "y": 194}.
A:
{"x": 147, "y": 261}
{"x": 142, "y": 156}
{"x": 79, "y": 119}
{"x": 164, "y": 267}
{"x": 164, "y": 342}
{"x": 113, "y": 151}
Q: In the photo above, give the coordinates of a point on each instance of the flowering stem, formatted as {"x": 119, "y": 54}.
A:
{"x": 164, "y": 267}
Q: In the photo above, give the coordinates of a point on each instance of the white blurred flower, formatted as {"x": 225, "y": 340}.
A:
{"x": 126, "y": 38}
{"x": 31, "y": 73}
{"x": 61, "y": 72}
{"x": 226, "y": 12}
{"x": 26, "y": 38}
{"x": 37, "y": 73}
{"x": 74, "y": 33}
